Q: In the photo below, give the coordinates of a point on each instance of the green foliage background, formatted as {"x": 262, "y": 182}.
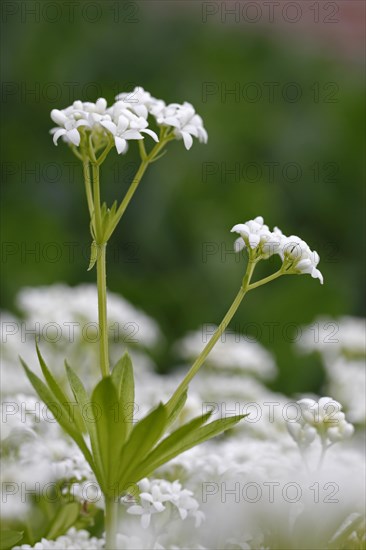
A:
{"x": 157, "y": 258}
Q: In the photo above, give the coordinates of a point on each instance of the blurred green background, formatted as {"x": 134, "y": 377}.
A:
{"x": 172, "y": 255}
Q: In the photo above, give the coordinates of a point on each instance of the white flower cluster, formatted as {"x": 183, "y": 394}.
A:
{"x": 73, "y": 540}
{"x": 296, "y": 255}
{"x": 341, "y": 343}
{"x": 323, "y": 418}
{"x": 127, "y": 119}
{"x": 157, "y": 493}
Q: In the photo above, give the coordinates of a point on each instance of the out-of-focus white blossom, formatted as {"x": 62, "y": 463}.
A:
{"x": 157, "y": 493}
{"x": 323, "y": 417}
{"x": 73, "y": 540}
{"x": 232, "y": 352}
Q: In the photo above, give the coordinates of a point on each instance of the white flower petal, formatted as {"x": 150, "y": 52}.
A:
{"x": 73, "y": 136}
{"x": 121, "y": 144}
{"x": 60, "y": 132}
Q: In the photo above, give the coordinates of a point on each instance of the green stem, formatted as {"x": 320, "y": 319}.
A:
{"x": 101, "y": 275}
{"x": 97, "y": 206}
{"x": 266, "y": 280}
{"x": 89, "y": 195}
{"x": 111, "y": 523}
{"x": 146, "y": 160}
{"x": 102, "y": 309}
{"x": 213, "y": 340}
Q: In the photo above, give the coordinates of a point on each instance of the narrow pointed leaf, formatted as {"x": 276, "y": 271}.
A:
{"x": 63, "y": 418}
{"x": 178, "y": 407}
{"x": 110, "y": 430}
{"x": 176, "y": 437}
{"x": 85, "y": 409}
{"x": 164, "y": 452}
{"x": 122, "y": 376}
{"x": 144, "y": 436}
{"x": 93, "y": 255}
{"x": 61, "y": 397}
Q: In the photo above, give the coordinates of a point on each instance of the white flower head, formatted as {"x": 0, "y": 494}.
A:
{"x": 141, "y": 102}
{"x": 262, "y": 243}
{"x": 299, "y": 258}
{"x": 323, "y": 418}
{"x": 68, "y": 121}
{"x": 122, "y": 120}
{"x": 185, "y": 121}
{"x": 255, "y": 235}
{"x": 125, "y": 125}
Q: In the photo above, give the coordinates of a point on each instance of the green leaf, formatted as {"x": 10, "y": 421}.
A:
{"x": 143, "y": 437}
{"x": 110, "y": 431}
{"x": 93, "y": 255}
{"x": 55, "y": 388}
{"x": 66, "y": 517}
{"x": 54, "y": 406}
{"x": 122, "y": 376}
{"x": 85, "y": 408}
{"x": 181, "y": 440}
{"x": 61, "y": 397}
{"x": 9, "y": 538}
{"x": 178, "y": 407}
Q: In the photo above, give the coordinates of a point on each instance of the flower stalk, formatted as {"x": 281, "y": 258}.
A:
{"x": 245, "y": 287}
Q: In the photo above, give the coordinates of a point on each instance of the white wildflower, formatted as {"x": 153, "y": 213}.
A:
{"x": 185, "y": 121}
{"x": 263, "y": 243}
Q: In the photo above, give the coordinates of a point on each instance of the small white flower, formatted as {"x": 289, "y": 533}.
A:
{"x": 128, "y": 126}
{"x": 323, "y": 417}
{"x": 303, "y": 435}
{"x": 151, "y": 502}
{"x": 263, "y": 243}
{"x": 299, "y": 258}
{"x": 141, "y": 102}
{"x": 254, "y": 234}
{"x": 69, "y": 126}
{"x": 185, "y": 121}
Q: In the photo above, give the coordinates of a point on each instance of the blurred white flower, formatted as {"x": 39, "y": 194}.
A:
{"x": 73, "y": 540}
{"x": 232, "y": 352}
{"x": 324, "y": 418}
{"x": 156, "y": 494}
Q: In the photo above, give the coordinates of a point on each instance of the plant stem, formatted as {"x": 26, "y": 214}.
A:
{"x": 266, "y": 280}
{"x": 213, "y": 340}
{"x": 101, "y": 275}
{"x": 146, "y": 160}
{"x": 102, "y": 309}
{"x": 89, "y": 196}
{"x": 97, "y": 207}
{"x": 111, "y": 523}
